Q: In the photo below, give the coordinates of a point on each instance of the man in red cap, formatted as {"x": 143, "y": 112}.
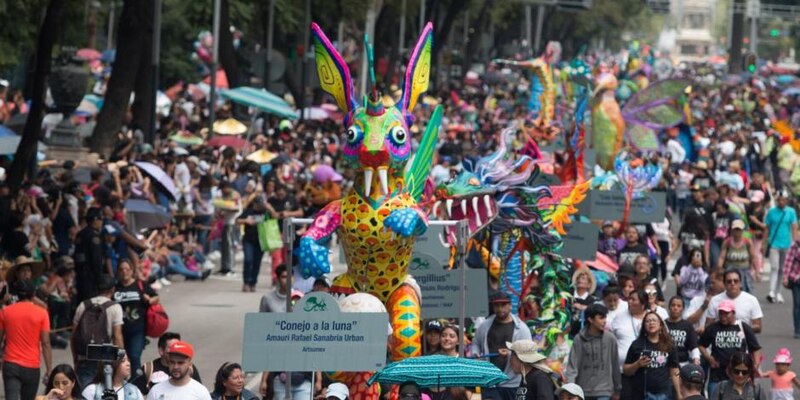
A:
{"x": 180, "y": 384}
{"x": 727, "y": 336}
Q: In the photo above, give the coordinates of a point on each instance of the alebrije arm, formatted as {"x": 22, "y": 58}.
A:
{"x": 421, "y": 165}
{"x": 326, "y": 222}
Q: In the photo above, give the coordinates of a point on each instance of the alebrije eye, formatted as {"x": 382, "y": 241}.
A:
{"x": 399, "y": 135}
{"x": 351, "y": 135}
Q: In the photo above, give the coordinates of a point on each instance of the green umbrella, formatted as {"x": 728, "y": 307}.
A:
{"x": 186, "y": 138}
{"x": 441, "y": 371}
{"x": 261, "y": 99}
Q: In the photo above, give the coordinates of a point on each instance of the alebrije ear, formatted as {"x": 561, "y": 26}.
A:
{"x": 418, "y": 72}
{"x": 334, "y": 75}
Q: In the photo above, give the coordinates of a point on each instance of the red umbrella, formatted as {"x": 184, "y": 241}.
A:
{"x": 229, "y": 141}
{"x": 88, "y": 54}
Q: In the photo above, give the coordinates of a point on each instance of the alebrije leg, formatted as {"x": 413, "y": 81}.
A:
{"x": 404, "y": 311}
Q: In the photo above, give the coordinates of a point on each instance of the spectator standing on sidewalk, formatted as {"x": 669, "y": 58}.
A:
{"x": 180, "y": 384}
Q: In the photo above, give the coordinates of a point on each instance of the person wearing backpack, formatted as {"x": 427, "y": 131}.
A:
{"x": 97, "y": 321}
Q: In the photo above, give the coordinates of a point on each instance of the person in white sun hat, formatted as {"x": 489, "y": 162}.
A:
{"x": 530, "y": 364}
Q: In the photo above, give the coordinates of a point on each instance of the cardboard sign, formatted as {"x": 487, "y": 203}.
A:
{"x": 610, "y": 205}
{"x": 317, "y": 336}
{"x": 580, "y": 242}
{"x": 442, "y": 288}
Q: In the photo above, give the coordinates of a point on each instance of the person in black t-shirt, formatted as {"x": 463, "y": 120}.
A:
{"x": 627, "y": 254}
{"x": 682, "y": 331}
{"x": 157, "y": 371}
{"x": 726, "y": 336}
{"x": 537, "y": 383}
{"x": 134, "y": 296}
{"x": 651, "y": 365}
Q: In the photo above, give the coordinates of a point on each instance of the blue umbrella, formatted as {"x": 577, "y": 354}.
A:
{"x": 261, "y": 99}
{"x": 141, "y": 214}
{"x": 792, "y": 91}
{"x": 441, "y": 371}
{"x": 785, "y": 79}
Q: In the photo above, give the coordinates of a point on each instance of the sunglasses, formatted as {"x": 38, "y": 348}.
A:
{"x": 741, "y": 372}
{"x": 731, "y": 281}
{"x": 651, "y": 292}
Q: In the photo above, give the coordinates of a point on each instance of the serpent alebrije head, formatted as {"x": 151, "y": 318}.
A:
{"x": 377, "y": 139}
{"x": 495, "y": 186}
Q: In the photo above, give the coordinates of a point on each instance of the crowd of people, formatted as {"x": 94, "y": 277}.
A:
{"x": 79, "y": 268}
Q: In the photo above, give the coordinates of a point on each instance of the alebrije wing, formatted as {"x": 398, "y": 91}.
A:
{"x": 421, "y": 166}
{"x": 418, "y": 71}
{"x": 334, "y": 75}
{"x": 657, "y": 106}
{"x": 642, "y": 137}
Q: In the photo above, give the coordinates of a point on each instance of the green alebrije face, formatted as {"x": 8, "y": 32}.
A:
{"x": 464, "y": 184}
{"x": 374, "y": 133}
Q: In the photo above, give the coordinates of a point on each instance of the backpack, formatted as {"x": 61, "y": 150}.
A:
{"x": 92, "y": 327}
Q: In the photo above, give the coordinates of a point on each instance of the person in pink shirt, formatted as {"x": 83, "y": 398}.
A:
{"x": 782, "y": 379}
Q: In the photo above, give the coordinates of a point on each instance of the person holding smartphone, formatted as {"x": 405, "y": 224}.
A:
{"x": 651, "y": 366}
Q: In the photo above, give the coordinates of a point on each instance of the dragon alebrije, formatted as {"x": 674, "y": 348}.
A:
{"x": 512, "y": 232}
{"x": 378, "y": 220}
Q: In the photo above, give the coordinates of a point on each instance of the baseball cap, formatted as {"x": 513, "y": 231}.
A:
{"x": 783, "y": 356}
{"x": 572, "y": 389}
{"x": 757, "y": 196}
{"x": 693, "y": 374}
{"x": 433, "y": 325}
{"x": 499, "y": 298}
{"x": 338, "y": 390}
{"x": 526, "y": 351}
{"x": 182, "y": 348}
{"x": 727, "y": 305}
{"x": 737, "y": 224}
{"x": 193, "y": 159}
{"x": 608, "y": 223}
{"x": 783, "y": 193}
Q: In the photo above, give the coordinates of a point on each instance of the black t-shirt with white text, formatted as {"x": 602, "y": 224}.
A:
{"x": 726, "y": 340}
{"x": 683, "y": 337}
{"x": 653, "y": 378}
{"x": 537, "y": 385}
{"x": 132, "y": 302}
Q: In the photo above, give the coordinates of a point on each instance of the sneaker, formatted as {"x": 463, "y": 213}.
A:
{"x": 214, "y": 255}
{"x": 165, "y": 281}
{"x": 156, "y": 285}
{"x": 779, "y": 298}
{"x": 208, "y": 264}
{"x": 771, "y": 297}
{"x": 205, "y": 274}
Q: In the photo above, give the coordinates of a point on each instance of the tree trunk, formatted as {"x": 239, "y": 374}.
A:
{"x": 32, "y": 132}
{"x": 143, "y": 106}
{"x": 227, "y": 54}
{"x": 129, "y": 53}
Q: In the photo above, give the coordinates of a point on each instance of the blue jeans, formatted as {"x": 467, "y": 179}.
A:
{"x": 203, "y": 225}
{"x": 20, "y": 382}
{"x": 656, "y": 396}
{"x": 175, "y": 265}
{"x": 252, "y": 262}
{"x": 86, "y": 371}
{"x": 133, "y": 337}
{"x": 796, "y": 308}
{"x": 748, "y": 283}
{"x": 300, "y": 390}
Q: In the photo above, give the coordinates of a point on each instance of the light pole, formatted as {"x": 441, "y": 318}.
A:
{"x": 212, "y": 93}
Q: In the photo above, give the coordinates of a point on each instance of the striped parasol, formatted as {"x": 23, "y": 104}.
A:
{"x": 441, "y": 371}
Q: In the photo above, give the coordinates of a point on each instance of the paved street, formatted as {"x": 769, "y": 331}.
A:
{"x": 210, "y": 315}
